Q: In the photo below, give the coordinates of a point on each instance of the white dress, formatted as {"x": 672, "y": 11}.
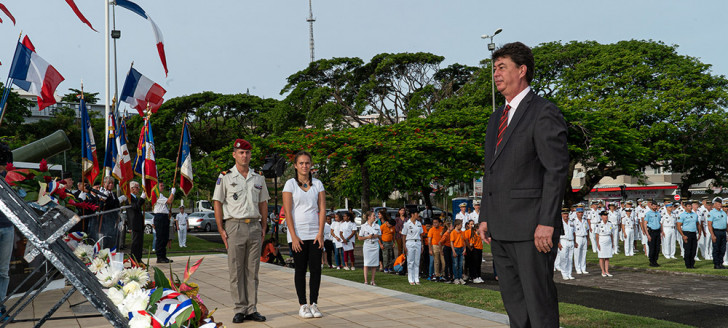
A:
{"x": 604, "y": 230}
{"x": 371, "y": 246}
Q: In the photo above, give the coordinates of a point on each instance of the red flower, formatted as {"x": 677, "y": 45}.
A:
{"x": 9, "y": 167}
{"x": 30, "y": 176}
{"x": 61, "y": 192}
{"x": 43, "y": 166}
{"x": 48, "y": 178}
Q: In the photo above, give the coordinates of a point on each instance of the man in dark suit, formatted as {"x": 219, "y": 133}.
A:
{"x": 526, "y": 165}
{"x": 136, "y": 220}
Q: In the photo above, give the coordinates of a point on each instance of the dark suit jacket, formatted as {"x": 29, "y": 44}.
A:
{"x": 134, "y": 214}
{"x": 524, "y": 181}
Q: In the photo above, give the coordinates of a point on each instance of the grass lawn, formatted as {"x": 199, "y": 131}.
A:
{"x": 640, "y": 261}
{"x": 571, "y": 315}
{"x": 195, "y": 246}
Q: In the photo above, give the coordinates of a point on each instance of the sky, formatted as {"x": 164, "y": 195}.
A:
{"x": 233, "y": 46}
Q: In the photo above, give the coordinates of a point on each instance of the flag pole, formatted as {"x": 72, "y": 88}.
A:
{"x": 107, "y": 70}
{"x": 179, "y": 149}
{"x": 8, "y": 82}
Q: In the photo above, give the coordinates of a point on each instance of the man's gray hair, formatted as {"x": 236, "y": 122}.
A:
{"x": 108, "y": 179}
{"x": 134, "y": 184}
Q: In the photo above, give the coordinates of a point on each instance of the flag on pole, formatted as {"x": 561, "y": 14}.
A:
{"x": 157, "y": 32}
{"x": 185, "y": 162}
{"x": 79, "y": 14}
{"x": 146, "y": 165}
{"x": 111, "y": 150}
{"x": 122, "y": 168}
{"x": 89, "y": 161}
{"x": 33, "y": 74}
{"x": 140, "y": 92}
{"x": 7, "y": 12}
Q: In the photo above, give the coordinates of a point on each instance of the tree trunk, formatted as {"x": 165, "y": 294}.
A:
{"x": 364, "y": 187}
{"x": 426, "y": 190}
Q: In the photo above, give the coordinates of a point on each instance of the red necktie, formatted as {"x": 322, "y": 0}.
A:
{"x": 503, "y": 125}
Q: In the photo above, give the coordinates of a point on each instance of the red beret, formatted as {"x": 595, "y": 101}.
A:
{"x": 242, "y": 144}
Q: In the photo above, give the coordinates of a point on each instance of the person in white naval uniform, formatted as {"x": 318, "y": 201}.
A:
{"x": 614, "y": 220}
{"x": 581, "y": 229}
{"x": 628, "y": 231}
{"x": 680, "y": 209}
{"x": 566, "y": 245}
{"x": 668, "y": 221}
{"x": 705, "y": 244}
{"x": 593, "y": 217}
{"x": 640, "y": 215}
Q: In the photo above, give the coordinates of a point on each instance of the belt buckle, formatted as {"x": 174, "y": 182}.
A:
{"x": 247, "y": 221}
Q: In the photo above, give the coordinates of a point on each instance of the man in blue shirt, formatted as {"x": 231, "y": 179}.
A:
{"x": 689, "y": 229}
{"x": 717, "y": 224}
{"x": 651, "y": 227}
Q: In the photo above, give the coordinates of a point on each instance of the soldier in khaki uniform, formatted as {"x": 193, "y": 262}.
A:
{"x": 241, "y": 202}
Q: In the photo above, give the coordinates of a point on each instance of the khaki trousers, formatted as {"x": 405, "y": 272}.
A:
{"x": 439, "y": 259}
{"x": 244, "y": 242}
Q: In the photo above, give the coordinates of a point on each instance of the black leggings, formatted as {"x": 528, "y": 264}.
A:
{"x": 309, "y": 256}
{"x": 329, "y": 247}
{"x": 476, "y": 259}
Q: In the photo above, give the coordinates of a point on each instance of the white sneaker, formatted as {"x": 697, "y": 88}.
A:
{"x": 346, "y": 268}
{"x": 571, "y": 278}
{"x": 462, "y": 282}
{"x": 315, "y": 311}
{"x": 352, "y": 268}
{"x": 305, "y": 312}
{"x": 584, "y": 272}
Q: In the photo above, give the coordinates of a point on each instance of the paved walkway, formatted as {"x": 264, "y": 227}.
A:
{"x": 343, "y": 303}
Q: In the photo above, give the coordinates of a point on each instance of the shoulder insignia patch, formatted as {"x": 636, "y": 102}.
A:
{"x": 219, "y": 180}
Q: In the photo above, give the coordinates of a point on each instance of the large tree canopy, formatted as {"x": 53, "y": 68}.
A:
{"x": 628, "y": 104}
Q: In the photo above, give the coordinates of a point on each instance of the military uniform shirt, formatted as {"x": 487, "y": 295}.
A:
{"x": 653, "y": 220}
{"x": 613, "y": 218}
{"x": 604, "y": 229}
{"x": 593, "y": 216}
{"x": 628, "y": 220}
{"x": 581, "y": 227}
{"x": 240, "y": 196}
{"x": 668, "y": 220}
{"x": 718, "y": 218}
{"x": 412, "y": 231}
{"x": 568, "y": 230}
{"x": 689, "y": 221}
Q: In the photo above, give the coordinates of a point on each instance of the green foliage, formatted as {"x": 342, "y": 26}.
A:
{"x": 74, "y": 96}
{"x": 625, "y": 103}
{"x": 16, "y": 110}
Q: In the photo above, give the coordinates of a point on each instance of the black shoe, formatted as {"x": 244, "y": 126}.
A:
{"x": 255, "y": 316}
{"x": 238, "y": 318}
{"x": 654, "y": 265}
{"x": 716, "y": 267}
{"x": 164, "y": 261}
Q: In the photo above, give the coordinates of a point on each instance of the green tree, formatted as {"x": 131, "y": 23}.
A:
{"x": 74, "y": 96}
{"x": 15, "y": 112}
{"x": 626, "y": 103}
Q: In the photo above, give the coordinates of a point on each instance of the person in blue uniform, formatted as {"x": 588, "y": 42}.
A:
{"x": 717, "y": 225}
{"x": 651, "y": 228}
{"x": 689, "y": 228}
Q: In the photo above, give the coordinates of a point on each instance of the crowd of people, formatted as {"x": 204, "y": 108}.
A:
{"x": 697, "y": 228}
{"x": 436, "y": 249}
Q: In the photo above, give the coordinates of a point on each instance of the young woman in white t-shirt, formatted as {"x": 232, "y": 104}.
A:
{"x": 304, "y": 203}
{"x": 338, "y": 245}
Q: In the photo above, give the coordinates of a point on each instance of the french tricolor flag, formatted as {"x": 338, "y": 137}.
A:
{"x": 33, "y": 74}
{"x": 140, "y": 92}
{"x": 157, "y": 32}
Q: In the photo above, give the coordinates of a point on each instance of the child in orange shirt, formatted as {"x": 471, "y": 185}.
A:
{"x": 436, "y": 259}
{"x": 458, "y": 250}
{"x": 475, "y": 252}
{"x": 447, "y": 252}
{"x": 388, "y": 245}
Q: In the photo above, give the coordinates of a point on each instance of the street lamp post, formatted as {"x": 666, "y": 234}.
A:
{"x": 491, "y": 47}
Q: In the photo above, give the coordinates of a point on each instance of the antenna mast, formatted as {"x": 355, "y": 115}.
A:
{"x": 310, "y": 21}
